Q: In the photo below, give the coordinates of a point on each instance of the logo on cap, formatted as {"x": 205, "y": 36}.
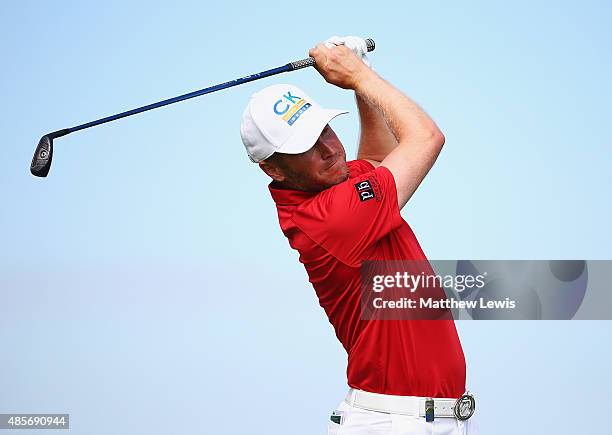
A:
{"x": 290, "y": 107}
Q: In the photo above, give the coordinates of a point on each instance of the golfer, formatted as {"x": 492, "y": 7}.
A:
{"x": 405, "y": 377}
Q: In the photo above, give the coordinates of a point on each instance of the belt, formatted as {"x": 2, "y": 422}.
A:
{"x": 461, "y": 408}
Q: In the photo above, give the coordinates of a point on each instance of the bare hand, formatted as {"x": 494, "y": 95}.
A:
{"x": 339, "y": 65}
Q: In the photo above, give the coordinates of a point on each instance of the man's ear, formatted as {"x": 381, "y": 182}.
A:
{"x": 273, "y": 171}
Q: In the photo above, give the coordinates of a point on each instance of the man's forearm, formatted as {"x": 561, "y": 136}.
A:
{"x": 405, "y": 119}
{"x": 376, "y": 140}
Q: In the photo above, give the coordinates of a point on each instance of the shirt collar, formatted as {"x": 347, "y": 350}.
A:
{"x": 283, "y": 196}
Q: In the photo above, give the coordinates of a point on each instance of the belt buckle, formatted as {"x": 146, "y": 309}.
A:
{"x": 464, "y": 407}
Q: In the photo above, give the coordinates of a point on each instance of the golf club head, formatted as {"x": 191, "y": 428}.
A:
{"x": 41, "y": 162}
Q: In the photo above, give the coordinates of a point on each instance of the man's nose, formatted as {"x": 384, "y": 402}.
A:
{"x": 326, "y": 150}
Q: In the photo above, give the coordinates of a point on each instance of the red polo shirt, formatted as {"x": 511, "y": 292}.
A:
{"x": 335, "y": 231}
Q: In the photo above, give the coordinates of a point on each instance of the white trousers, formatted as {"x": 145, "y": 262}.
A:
{"x": 357, "y": 421}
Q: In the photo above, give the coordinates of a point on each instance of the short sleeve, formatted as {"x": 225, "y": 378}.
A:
{"x": 349, "y": 218}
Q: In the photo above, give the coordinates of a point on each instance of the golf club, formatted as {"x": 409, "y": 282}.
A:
{"x": 41, "y": 162}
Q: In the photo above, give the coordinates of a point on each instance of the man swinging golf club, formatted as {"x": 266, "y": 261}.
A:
{"x": 405, "y": 377}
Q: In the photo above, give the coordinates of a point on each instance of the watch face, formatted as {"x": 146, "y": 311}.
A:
{"x": 464, "y": 407}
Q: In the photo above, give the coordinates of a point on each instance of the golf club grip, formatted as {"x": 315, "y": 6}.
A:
{"x": 309, "y": 61}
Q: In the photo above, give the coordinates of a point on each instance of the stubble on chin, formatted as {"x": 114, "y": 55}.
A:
{"x": 345, "y": 173}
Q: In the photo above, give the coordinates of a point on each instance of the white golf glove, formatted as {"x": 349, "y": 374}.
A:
{"x": 355, "y": 43}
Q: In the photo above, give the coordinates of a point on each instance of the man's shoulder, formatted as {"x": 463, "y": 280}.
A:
{"x": 359, "y": 166}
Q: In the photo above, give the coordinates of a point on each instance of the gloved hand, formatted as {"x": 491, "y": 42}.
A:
{"x": 354, "y": 43}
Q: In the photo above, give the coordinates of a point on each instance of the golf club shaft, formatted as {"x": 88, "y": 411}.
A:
{"x": 292, "y": 66}
{"x": 183, "y": 97}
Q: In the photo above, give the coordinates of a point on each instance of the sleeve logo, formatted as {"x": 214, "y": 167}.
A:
{"x": 364, "y": 190}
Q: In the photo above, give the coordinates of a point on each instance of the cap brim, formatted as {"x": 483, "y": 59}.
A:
{"x": 308, "y": 131}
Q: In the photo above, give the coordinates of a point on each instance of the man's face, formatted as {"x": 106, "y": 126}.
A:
{"x": 322, "y": 166}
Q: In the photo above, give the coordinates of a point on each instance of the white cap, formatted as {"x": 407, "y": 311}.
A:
{"x": 283, "y": 119}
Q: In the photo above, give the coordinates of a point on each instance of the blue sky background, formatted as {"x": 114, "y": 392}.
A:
{"x": 146, "y": 286}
